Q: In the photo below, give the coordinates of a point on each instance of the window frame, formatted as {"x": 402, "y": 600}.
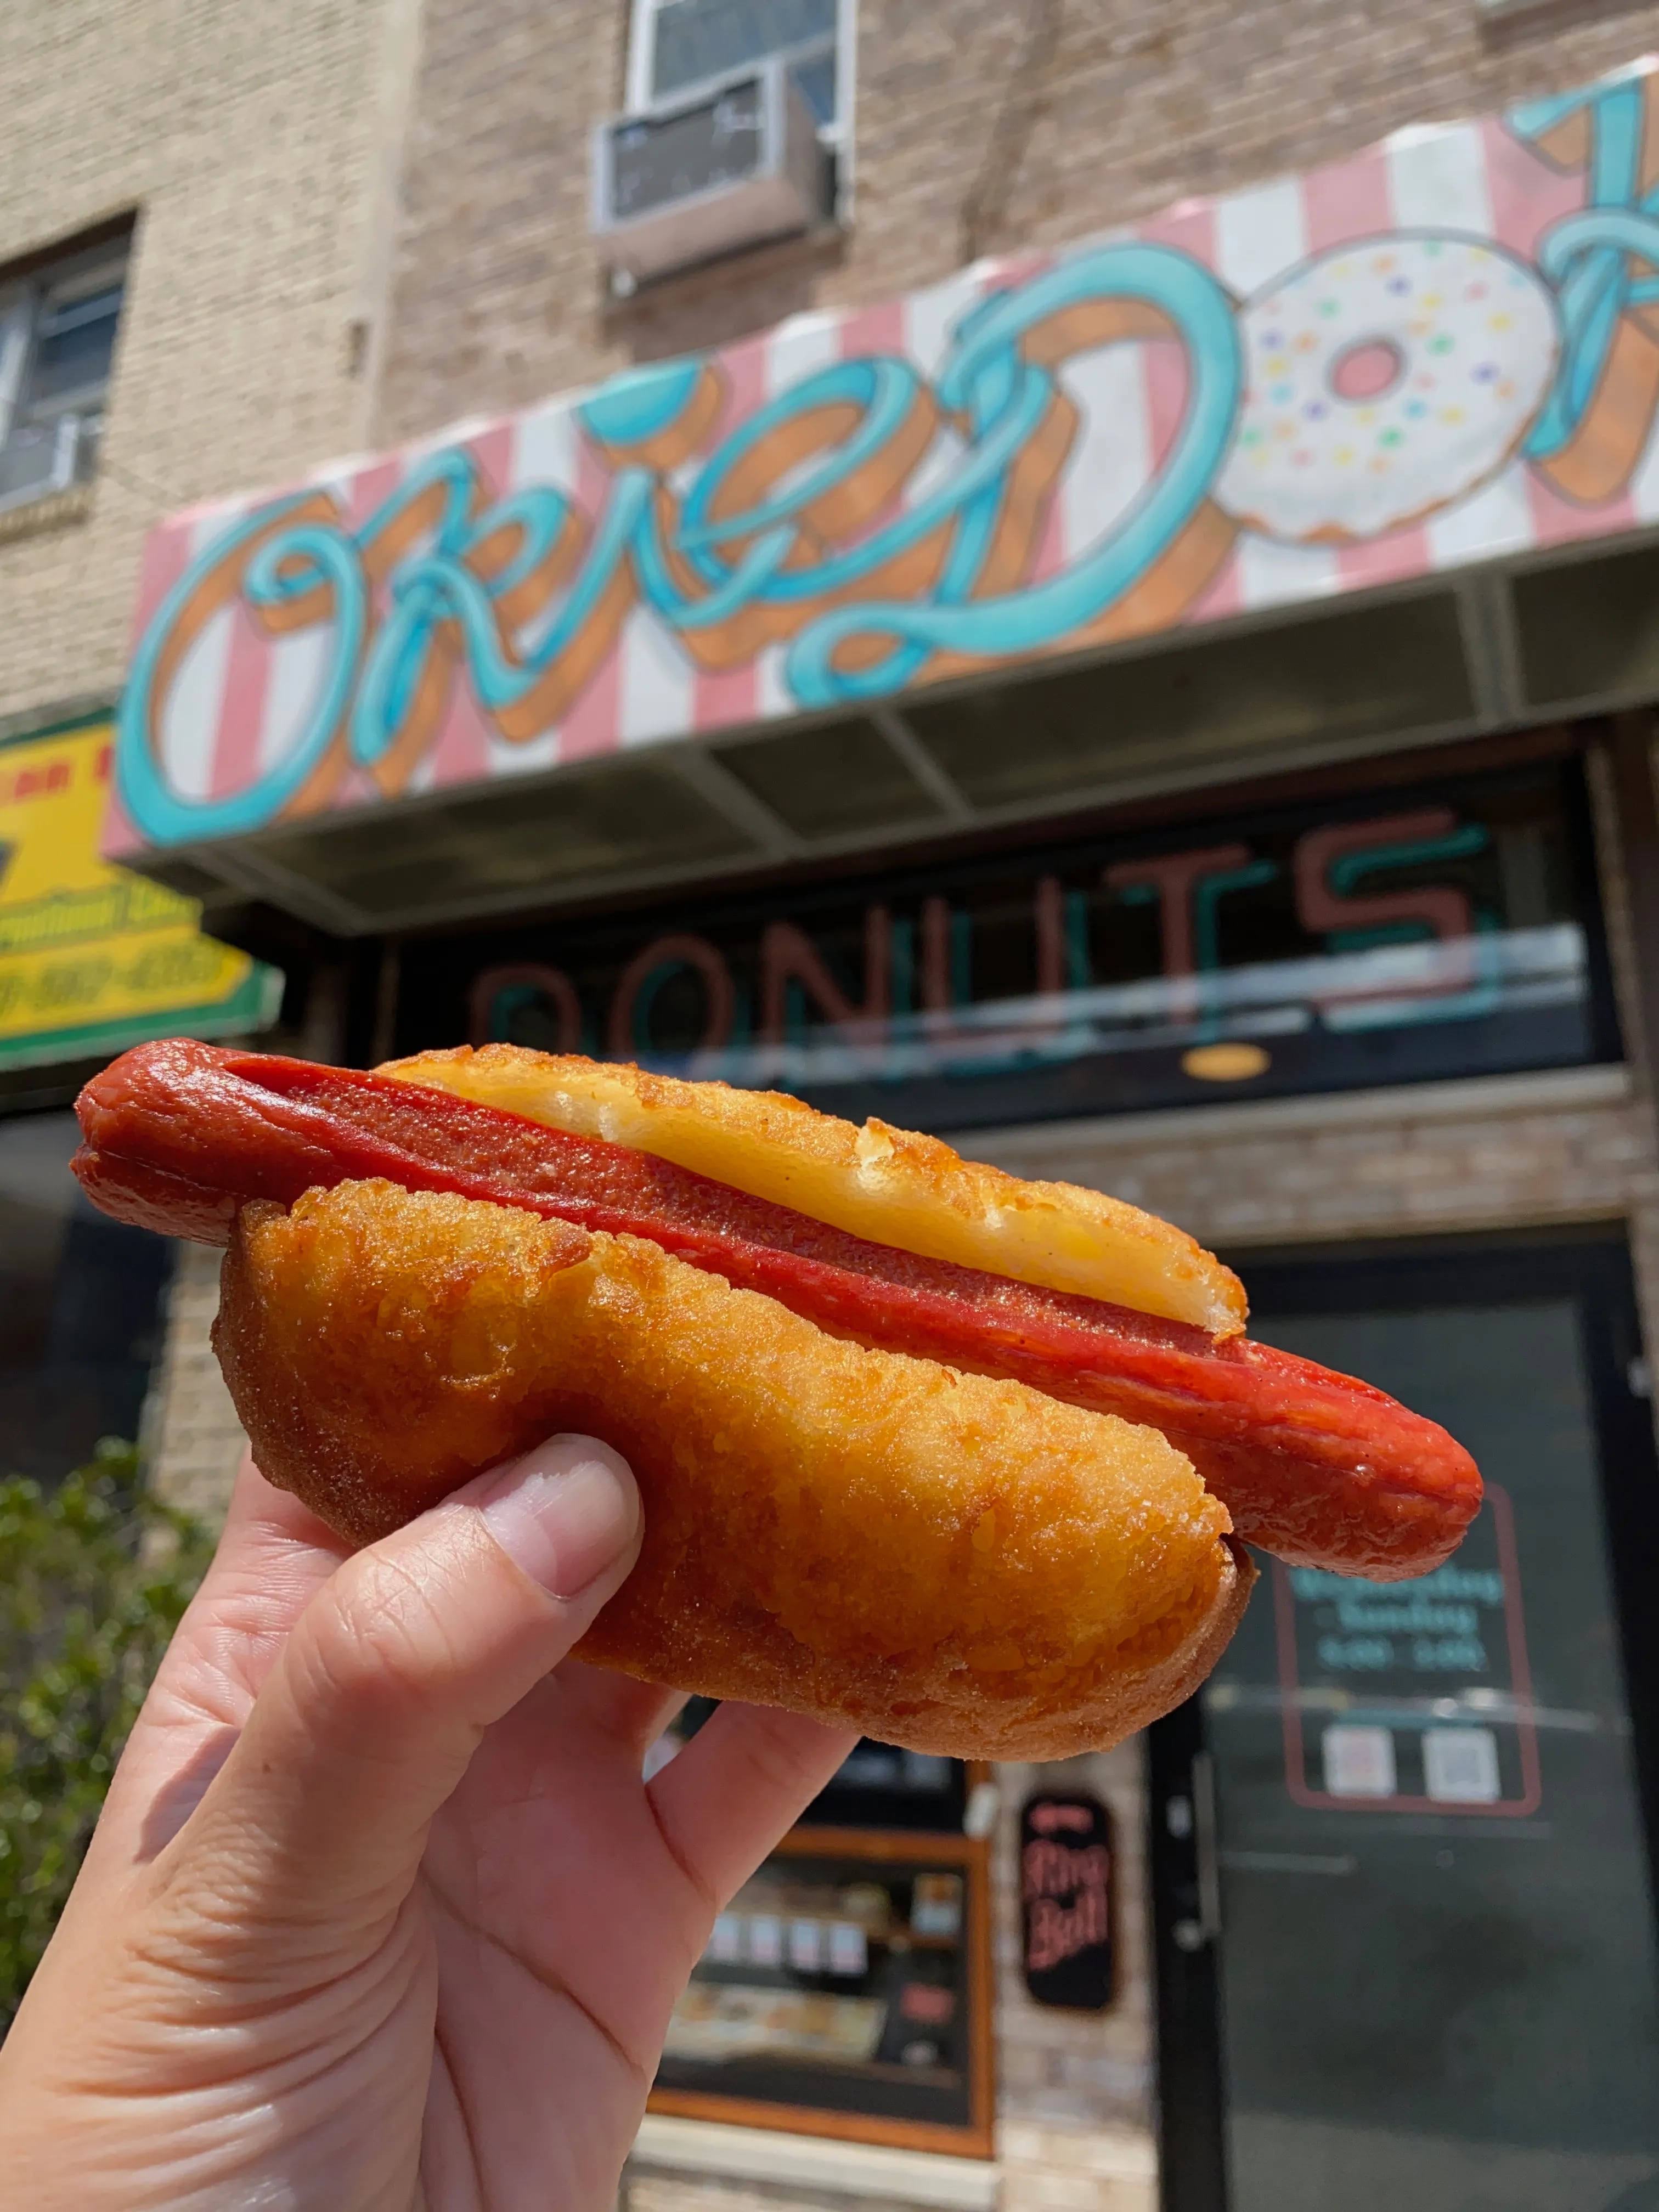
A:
{"x": 25, "y": 304}
{"x": 836, "y": 134}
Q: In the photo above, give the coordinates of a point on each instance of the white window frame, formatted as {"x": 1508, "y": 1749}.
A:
{"x": 838, "y": 135}
{"x": 22, "y": 305}
{"x": 16, "y": 326}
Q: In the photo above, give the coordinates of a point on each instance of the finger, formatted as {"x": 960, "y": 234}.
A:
{"x": 614, "y": 1708}
{"x": 272, "y": 1558}
{"x": 742, "y": 1782}
{"x": 392, "y": 1674}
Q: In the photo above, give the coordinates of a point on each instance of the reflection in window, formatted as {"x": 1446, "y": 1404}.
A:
{"x": 58, "y": 329}
{"x": 678, "y": 43}
{"x": 1393, "y": 937}
{"x": 80, "y": 1307}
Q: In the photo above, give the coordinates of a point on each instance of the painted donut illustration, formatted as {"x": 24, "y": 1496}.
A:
{"x": 1385, "y": 380}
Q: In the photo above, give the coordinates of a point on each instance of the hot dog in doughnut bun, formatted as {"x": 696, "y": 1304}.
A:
{"x": 961, "y": 1460}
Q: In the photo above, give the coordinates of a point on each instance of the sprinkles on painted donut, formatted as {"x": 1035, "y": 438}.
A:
{"x": 1384, "y": 380}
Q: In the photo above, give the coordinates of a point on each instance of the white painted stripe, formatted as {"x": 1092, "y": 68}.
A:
{"x": 298, "y": 662}
{"x": 1644, "y": 480}
{"x": 658, "y": 677}
{"x": 931, "y": 317}
{"x": 193, "y": 707}
{"x": 544, "y": 452}
{"x": 1272, "y": 574}
{"x": 297, "y": 665}
{"x": 772, "y": 694}
{"x": 1496, "y": 518}
{"x": 658, "y": 682}
{"x": 930, "y": 322}
{"x": 1111, "y": 456}
{"x": 1437, "y": 179}
{"x": 1260, "y": 236}
{"x": 798, "y": 346}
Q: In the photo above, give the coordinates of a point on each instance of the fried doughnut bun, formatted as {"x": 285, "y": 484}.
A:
{"x": 946, "y": 1561}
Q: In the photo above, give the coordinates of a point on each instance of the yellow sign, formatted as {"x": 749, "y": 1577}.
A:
{"x": 93, "y": 959}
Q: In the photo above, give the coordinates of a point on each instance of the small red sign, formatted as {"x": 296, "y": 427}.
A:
{"x": 1065, "y": 1900}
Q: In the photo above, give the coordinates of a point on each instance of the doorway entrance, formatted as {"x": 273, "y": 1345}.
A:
{"x": 1402, "y": 1841}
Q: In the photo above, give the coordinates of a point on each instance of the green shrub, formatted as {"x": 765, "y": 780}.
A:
{"x": 93, "y": 1577}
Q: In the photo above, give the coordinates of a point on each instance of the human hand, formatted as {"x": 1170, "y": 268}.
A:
{"x": 381, "y": 1914}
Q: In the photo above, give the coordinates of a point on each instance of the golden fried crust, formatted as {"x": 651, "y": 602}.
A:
{"x": 944, "y": 1561}
{"x": 892, "y": 1186}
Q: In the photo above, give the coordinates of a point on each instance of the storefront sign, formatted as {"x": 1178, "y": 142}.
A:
{"x": 91, "y": 957}
{"x": 1442, "y": 931}
{"x": 1437, "y": 352}
{"x": 1411, "y": 1696}
{"x": 1065, "y": 1902}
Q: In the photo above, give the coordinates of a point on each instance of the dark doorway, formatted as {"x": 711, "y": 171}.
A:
{"x": 1402, "y": 1841}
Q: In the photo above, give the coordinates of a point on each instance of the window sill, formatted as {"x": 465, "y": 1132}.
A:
{"x": 819, "y": 2163}
{"x": 58, "y": 510}
{"x": 1563, "y": 1090}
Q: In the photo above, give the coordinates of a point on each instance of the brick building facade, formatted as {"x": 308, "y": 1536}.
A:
{"x": 392, "y": 204}
{"x": 979, "y": 128}
{"x": 254, "y": 153}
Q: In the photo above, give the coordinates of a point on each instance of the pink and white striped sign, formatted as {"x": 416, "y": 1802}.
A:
{"x": 1442, "y": 351}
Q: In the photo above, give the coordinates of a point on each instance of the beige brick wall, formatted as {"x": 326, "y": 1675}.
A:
{"x": 1064, "y": 2068}
{"x": 1075, "y": 2090}
{"x": 191, "y": 1436}
{"x": 981, "y": 125}
{"x": 252, "y": 138}
{"x": 1576, "y": 1146}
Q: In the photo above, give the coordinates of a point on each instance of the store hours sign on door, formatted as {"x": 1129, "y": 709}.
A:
{"x": 1411, "y": 1696}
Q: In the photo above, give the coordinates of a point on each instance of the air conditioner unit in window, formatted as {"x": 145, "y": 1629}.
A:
{"x": 725, "y": 167}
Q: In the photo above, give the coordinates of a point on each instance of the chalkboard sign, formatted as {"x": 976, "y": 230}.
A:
{"x": 657, "y": 160}
{"x": 1065, "y": 1902}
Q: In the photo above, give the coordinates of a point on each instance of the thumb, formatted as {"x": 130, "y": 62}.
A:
{"x": 387, "y": 1682}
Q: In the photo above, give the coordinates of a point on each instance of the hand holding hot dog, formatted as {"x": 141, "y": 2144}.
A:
{"x": 379, "y": 1912}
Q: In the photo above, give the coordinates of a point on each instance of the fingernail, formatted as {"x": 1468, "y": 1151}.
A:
{"x": 565, "y": 1512}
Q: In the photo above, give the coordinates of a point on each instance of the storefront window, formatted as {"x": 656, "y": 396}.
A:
{"x": 845, "y": 1988}
{"x": 843, "y": 1982}
{"x": 80, "y": 1307}
{"x": 1385, "y": 937}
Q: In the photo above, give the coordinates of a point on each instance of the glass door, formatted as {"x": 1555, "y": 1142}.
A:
{"x": 1406, "y": 1951}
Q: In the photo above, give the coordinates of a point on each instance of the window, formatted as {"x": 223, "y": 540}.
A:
{"x": 677, "y": 44}
{"x": 57, "y": 342}
{"x": 845, "y": 1988}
